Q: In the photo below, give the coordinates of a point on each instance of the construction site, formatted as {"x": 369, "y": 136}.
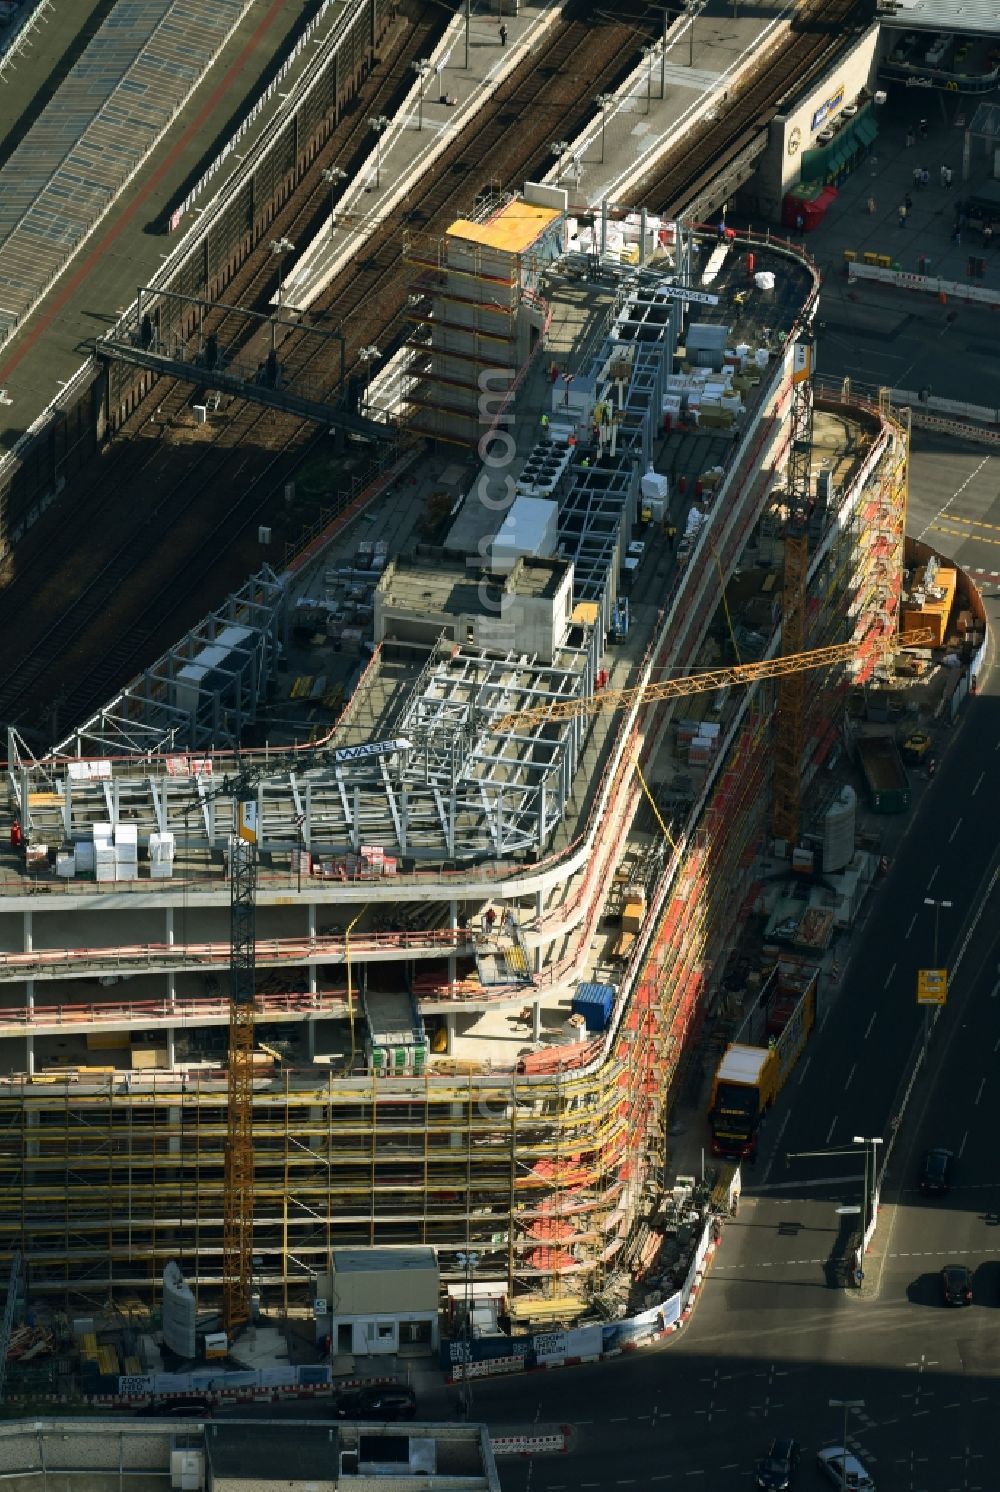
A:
{"x": 401, "y": 902}
{"x": 550, "y": 772}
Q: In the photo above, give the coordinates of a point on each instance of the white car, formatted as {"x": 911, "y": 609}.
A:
{"x": 831, "y": 1462}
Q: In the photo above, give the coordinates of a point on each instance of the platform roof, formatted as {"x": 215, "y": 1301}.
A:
{"x": 513, "y": 230}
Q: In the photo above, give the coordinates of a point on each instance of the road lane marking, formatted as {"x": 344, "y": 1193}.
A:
{"x": 958, "y": 825}
{"x": 830, "y": 1130}
{"x": 979, "y": 783}
{"x": 888, "y": 977}
{"x": 912, "y": 925}
{"x": 979, "y": 1095}
{"x": 871, "y": 1022}
{"x": 850, "y": 1076}
{"x": 933, "y": 876}
{"x": 780, "y": 1186}
{"x": 804, "y": 1068}
{"x": 957, "y": 493}
{"x": 774, "y": 1152}
{"x": 961, "y": 1148}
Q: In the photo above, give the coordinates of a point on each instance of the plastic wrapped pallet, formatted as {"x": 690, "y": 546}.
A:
{"x": 126, "y": 834}
{"x": 85, "y": 856}
{"x": 66, "y": 866}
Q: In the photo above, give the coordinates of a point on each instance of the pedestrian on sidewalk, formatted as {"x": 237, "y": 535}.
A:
{"x": 956, "y": 236}
{"x": 872, "y": 207}
{"x": 908, "y": 202}
{"x": 910, "y": 138}
{"x": 917, "y": 173}
{"x": 503, "y": 34}
{"x": 922, "y": 129}
{"x": 902, "y": 214}
{"x": 944, "y": 176}
{"x": 671, "y": 535}
{"x": 925, "y": 178}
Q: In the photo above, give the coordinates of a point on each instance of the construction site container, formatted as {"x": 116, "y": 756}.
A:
{"x": 595, "y": 1003}
{"x": 884, "y": 774}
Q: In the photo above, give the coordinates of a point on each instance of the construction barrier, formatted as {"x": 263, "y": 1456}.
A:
{"x": 927, "y": 284}
{"x": 537, "y": 1440}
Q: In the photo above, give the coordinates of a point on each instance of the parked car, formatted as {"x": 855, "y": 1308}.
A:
{"x": 189, "y": 1408}
{"x": 956, "y": 1285}
{"x": 776, "y": 1471}
{"x": 935, "y": 1172}
{"x": 831, "y": 1463}
{"x": 378, "y": 1401}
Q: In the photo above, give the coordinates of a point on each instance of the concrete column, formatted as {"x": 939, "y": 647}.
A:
{"x": 452, "y": 961}
{"x": 536, "y": 956}
{"x": 536, "y": 1021}
{"x": 311, "y": 1038}
{"x": 171, "y": 975}
{"x": 31, "y": 1119}
{"x": 174, "y": 1120}
{"x": 449, "y": 1027}
{"x": 311, "y": 910}
{"x": 171, "y": 1050}
{"x": 29, "y": 994}
{"x": 456, "y": 1138}
{"x": 29, "y": 1000}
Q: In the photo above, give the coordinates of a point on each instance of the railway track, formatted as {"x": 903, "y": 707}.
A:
{"x": 90, "y": 646}
{"x": 146, "y": 588}
{"x": 681, "y": 177}
{"x": 51, "y": 633}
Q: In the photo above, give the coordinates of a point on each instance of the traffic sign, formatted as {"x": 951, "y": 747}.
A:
{"x": 932, "y": 986}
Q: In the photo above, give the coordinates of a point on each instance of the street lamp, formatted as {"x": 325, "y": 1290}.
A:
{"x": 929, "y": 901}
{"x": 423, "y": 70}
{"x": 379, "y": 123}
{"x": 604, "y": 102}
{"x": 694, "y": 9}
{"x": 333, "y": 176}
{"x": 279, "y": 248}
{"x": 368, "y": 355}
{"x": 846, "y": 1405}
{"x": 649, "y": 53}
{"x": 869, "y": 1185}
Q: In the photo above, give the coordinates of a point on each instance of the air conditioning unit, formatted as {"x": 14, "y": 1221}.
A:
{"x": 881, "y": 96}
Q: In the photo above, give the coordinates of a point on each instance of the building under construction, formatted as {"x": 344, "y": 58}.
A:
{"x": 486, "y": 831}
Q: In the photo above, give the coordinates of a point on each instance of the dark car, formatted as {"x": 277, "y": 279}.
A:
{"x": 956, "y": 1285}
{"x": 776, "y": 1471}
{"x": 191, "y": 1408}
{"x": 378, "y": 1401}
{"x": 935, "y": 1173}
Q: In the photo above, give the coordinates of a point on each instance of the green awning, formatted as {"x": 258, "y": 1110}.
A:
{"x": 835, "y": 163}
{"x": 867, "y": 130}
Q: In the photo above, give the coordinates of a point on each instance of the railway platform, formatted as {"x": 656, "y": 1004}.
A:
{"x": 621, "y": 144}
{"x": 127, "y": 248}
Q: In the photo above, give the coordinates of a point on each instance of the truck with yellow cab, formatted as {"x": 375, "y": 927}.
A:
{"x": 756, "y": 1066}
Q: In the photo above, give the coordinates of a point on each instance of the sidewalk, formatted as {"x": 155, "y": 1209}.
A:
{"x": 883, "y": 334}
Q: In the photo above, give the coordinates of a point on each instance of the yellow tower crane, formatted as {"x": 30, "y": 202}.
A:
{"x": 610, "y": 700}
